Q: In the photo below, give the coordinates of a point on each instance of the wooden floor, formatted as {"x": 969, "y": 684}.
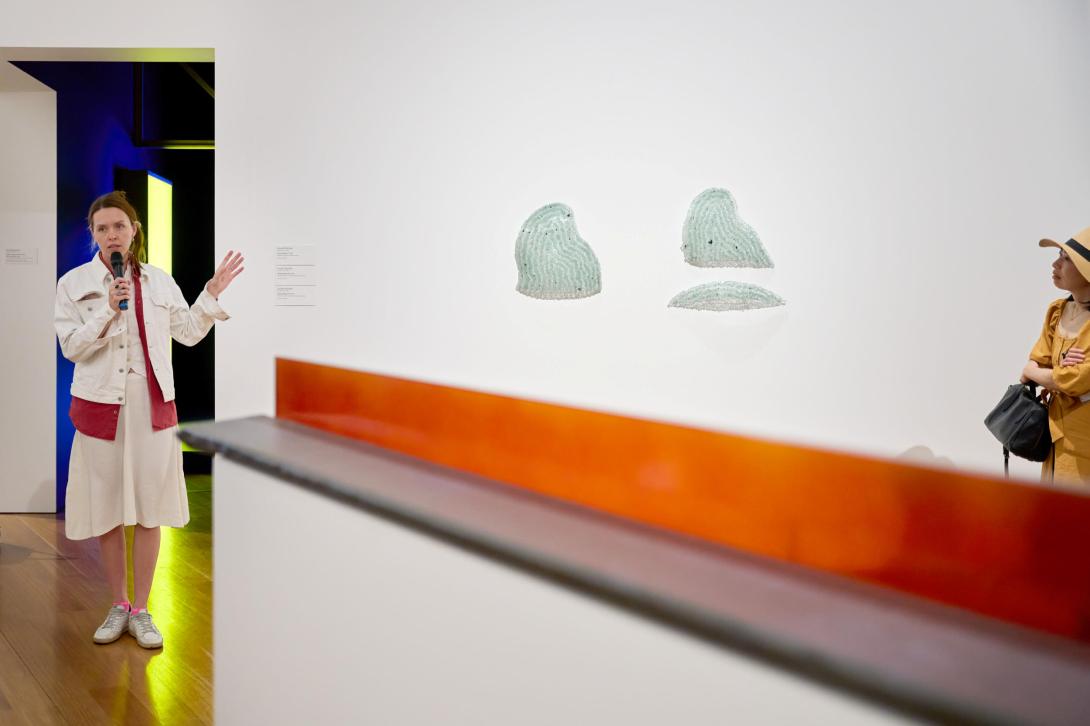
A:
{"x": 53, "y": 595}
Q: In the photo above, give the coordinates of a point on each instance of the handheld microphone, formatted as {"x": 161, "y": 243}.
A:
{"x": 119, "y": 271}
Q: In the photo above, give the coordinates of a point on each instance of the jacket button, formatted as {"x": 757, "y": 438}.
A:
{"x": 119, "y": 398}
{"x": 122, "y": 345}
{"x": 90, "y": 309}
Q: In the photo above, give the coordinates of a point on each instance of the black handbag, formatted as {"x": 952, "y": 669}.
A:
{"x": 1020, "y": 422}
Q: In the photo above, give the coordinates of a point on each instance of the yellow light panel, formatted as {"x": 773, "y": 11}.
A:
{"x": 160, "y": 232}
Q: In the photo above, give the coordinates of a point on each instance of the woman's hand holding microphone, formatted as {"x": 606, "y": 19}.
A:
{"x": 119, "y": 290}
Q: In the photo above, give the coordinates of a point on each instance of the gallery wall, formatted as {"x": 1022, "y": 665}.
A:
{"x": 28, "y": 178}
{"x": 899, "y": 162}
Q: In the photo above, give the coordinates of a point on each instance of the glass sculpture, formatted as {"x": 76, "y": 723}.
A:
{"x": 715, "y": 236}
{"x": 726, "y": 296}
{"x": 554, "y": 262}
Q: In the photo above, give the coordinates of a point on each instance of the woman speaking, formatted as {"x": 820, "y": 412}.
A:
{"x": 114, "y": 318}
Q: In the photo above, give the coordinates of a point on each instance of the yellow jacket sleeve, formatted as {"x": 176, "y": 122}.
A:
{"x": 1072, "y": 380}
{"x": 1042, "y": 351}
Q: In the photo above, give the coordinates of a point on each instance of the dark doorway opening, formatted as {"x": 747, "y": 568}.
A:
{"x": 118, "y": 122}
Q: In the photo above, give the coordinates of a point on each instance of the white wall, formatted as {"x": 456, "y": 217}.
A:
{"x": 899, "y": 160}
{"x": 424, "y": 633}
{"x": 28, "y": 367}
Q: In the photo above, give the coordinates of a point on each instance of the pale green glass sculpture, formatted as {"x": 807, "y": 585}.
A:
{"x": 715, "y": 236}
{"x": 726, "y": 296}
{"x": 554, "y": 262}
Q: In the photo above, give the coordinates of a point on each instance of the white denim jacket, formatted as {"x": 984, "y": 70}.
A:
{"x": 82, "y": 311}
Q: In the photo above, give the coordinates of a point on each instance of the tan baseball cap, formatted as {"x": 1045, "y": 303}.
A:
{"x": 1077, "y": 248}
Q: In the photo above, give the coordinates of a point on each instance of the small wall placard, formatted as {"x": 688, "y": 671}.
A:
{"x": 20, "y": 255}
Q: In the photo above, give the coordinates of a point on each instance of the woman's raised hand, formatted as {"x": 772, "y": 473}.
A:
{"x": 228, "y": 270}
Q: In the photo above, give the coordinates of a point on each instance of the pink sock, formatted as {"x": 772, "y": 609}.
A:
{"x": 134, "y": 611}
{"x": 126, "y": 603}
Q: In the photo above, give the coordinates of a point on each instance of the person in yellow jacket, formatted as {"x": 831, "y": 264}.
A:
{"x": 1058, "y": 364}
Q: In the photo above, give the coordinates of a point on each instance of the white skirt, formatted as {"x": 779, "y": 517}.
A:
{"x": 134, "y": 479}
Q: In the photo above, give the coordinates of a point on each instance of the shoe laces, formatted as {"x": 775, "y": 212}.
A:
{"x": 142, "y": 623}
{"x": 114, "y": 619}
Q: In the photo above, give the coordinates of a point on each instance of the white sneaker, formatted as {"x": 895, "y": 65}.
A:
{"x": 114, "y": 625}
{"x": 145, "y": 632}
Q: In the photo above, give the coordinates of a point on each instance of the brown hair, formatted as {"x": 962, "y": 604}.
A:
{"x": 138, "y": 252}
